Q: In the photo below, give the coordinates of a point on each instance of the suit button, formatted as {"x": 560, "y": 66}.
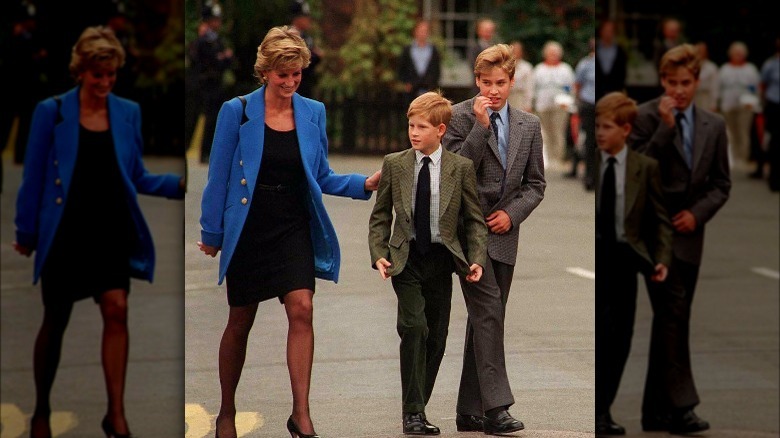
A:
{"x": 240, "y": 162}
{"x": 58, "y": 201}
{"x": 57, "y": 182}
{"x": 244, "y": 201}
{"x": 498, "y": 179}
{"x": 243, "y": 181}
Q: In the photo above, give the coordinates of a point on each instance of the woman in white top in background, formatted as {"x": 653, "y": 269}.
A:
{"x": 739, "y": 81}
{"x": 707, "y": 92}
{"x": 552, "y": 78}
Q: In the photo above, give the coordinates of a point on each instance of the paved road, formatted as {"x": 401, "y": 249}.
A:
{"x": 155, "y": 383}
{"x": 356, "y": 381}
{"x": 734, "y": 326}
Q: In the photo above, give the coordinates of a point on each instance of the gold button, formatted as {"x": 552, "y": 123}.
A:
{"x": 58, "y": 200}
{"x": 240, "y": 162}
{"x": 243, "y": 201}
{"x": 243, "y": 181}
{"x": 57, "y": 182}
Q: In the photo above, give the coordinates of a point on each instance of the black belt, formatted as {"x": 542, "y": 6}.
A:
{"x": 279, "y": 188}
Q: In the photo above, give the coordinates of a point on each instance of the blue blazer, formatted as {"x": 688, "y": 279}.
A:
{"x": 49, "y": 162}
{"x": 233, "y": 169}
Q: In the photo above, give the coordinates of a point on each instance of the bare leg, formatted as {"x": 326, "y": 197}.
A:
{"x": 232, "y": 353}
{"x": 300, "y": 354}
{"x": 46, "y": 359}
{"x": 113, "y": 308}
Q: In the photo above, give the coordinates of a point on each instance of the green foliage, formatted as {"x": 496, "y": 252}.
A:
{"x": 569, "y": 22}
{"x": 367, "y": 62}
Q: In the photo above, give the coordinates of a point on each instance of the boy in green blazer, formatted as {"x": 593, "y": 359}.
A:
{"x": 438, "y": 230}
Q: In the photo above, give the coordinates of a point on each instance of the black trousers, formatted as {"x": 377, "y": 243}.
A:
{"x": 669, "y": 384}
{"x": 617, "y": 266}
{"x": 424, "y": 291}
{"x": 772, "y": 124}
{"x": 484, "y": 383}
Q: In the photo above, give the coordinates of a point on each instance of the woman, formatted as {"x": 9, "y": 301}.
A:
{"x": 262, "y": 206}
{"x": 77, "y": 207}
{"x": 553, "y": 79}
{"x": 739, "y": 80}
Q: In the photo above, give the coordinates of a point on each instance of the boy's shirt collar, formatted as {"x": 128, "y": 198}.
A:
{"x": 503, "y": 113}
{"x": 620, "y": 157}
{"x": 435, "y": 155}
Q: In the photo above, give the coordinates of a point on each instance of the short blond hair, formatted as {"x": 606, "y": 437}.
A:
{"x": 499, "y": 55}
{"x": 617, "y": 106}
{"x": 684, "y": 56}
{"x": 96, "y": 46}
{"x": 433, "y": 107}
{"x": 281, "y": 49}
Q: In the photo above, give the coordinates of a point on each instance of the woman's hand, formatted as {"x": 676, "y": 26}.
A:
{"x": 372, "y": 182}
{"x": 208, "y": 250}
{"x": 23, "y": 250}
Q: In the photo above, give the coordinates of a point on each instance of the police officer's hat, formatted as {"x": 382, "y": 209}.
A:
{"x": 211, "y": 10}
{"x": 300, "y": 8}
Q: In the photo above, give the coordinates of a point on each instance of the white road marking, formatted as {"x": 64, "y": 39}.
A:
{"x": 590, "y": 275}
{"x": 766, "y": 272}
{"x": 15, "y": 422}
{"x": 200, "y": 423}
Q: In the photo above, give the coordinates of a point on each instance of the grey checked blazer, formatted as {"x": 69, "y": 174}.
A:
{"x": 524, "y": 185}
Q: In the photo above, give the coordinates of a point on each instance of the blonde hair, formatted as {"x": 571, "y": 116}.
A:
{"x": 499, "y": 55}
{"x": 617, "y": 106}
{"x": 281, "y": 49}
{"x": 433, "y": 107}
{"x": 684, "y": 56}
{"x": 96, "y": 46}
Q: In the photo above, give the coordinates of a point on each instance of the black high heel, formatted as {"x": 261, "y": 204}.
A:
{"x": 295, "y": 432}
{"x": 108, "y": 429}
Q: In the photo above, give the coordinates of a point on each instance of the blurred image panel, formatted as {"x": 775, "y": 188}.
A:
{"x": 91, "y": 218}
{"x": 696, "y": 348}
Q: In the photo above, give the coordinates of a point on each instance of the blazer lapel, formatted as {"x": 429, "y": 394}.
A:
{"x": 446, "y": 186}
{"x": 699, "y": 136}
{"x": 251, "y": 136}
{"x": 632, "y": 181}
{"x": 406, "y": 179}
{"x": 66, "y": 136}
{"x": 515, "y": 131}
{"x": 307, "y": 130}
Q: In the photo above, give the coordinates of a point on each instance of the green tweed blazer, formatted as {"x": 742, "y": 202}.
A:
{"x": 461, "y": 225}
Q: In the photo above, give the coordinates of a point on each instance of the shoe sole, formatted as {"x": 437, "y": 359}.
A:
{"x": 504, "y": 432}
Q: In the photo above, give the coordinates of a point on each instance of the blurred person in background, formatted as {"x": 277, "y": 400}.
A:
{"x": 419, "y": 67}
{"x": 585, "y": 90}
{"x": 521, "y": 96}
{"x": 77, "y": 209}
{"x": 739, "y": 80}
{"x": 612, "y": 61}
{"x": 211, "y": 59}
{"x": 302, "y": 22}
{"x": 709, "y": 88}
{"x": 770, "y": 92}
{"x": 553, "y": 79}
{"x": 486, "y": 32}
{"x": 671, "y": 35}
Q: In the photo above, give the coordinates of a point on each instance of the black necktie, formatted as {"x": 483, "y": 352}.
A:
{"x": 607, "y": 208}
{"x": 493, "y": 123}
{"x": 422, "y": 208}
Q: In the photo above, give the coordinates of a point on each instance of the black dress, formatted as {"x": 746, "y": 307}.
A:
{"x": 90, "y": 253}
{"x": 274, "y": 254}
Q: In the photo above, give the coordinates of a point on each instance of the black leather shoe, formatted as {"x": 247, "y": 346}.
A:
{"x": 469, "y": 423}
{"x": 605, "y": 426}
{"x": 655, "y": 422}
{"x": 416, "y": 424}
{"x": 687, "y": 422}
{"x": 502, "y": 423}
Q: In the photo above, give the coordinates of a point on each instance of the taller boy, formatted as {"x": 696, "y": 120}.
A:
{"x": 690, "y": 146}
{"x": 505, "y": 145}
